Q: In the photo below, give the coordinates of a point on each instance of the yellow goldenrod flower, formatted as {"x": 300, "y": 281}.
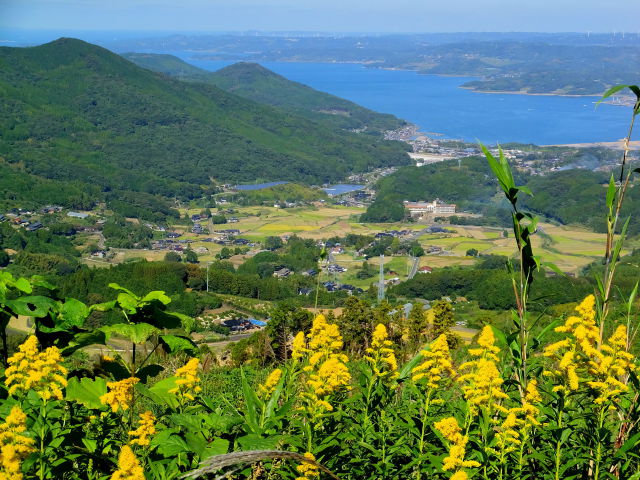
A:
{"x": 459, "y": 475}
{"x": 120, "y": 394}
{"x": 41, "y": 372}
{"x": 14, "y": 446}
{"x": 187, "y": 382}
{"x": 330, "y": 377}
{"x": 267, "y": 388}
{"x": 146, "y": 428}
{"x": 438, "y": 363}
{"x": 324, "y": 342}
{"x": 327, "y": 371}
{"x": 451, "y": 431}
{"x": 308, "y": 470}
{"x": 609, "y": 368}
{"x": 482, "y": 381}
{"x": 298, "y": 349}
{"x": 381, "y": 356}
{"x": 578, "y": 358}
{"x": 128, "y": 466}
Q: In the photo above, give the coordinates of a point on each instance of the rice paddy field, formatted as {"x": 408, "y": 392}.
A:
{"x": 571, "y": 248}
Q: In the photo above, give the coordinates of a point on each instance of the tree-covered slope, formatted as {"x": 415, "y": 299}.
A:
{"x": 74, "y": 111}
{"x": 255, "y": 82}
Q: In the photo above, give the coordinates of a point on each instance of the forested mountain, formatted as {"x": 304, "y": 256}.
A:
{"x": 255, "y": 82}
{"x": 75, "y": 112}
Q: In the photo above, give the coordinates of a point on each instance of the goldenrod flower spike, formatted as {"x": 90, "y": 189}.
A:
{"x": 437, "y": 363}
{"x": 120, "y": 394}
{"x": 299, "y": 346}
{"x": 578, "y": 357}
{"x": 327, "y": 368}
{"x": 41, "y": 372}
{"x": 128, "y": 466}
{"x": 308, "y": 470}
{"x": 146, "y": 429}
{"x": 266, "y": 389}
{"x": 451, "y": 431}
{"x": 14, "y": 446}
{"x": 187, "y": 382}
{"x": 381, "y": 355}
{"x": 482, "y": 383}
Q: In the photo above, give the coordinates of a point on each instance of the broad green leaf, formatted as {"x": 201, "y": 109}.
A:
{"x": 84, "y": 339}
{"x": 103, "y": 307}
{"x": 161, "y": 391}
{"x": 72, "y": 313}
{"x": 219, "y": 446}
{"x": 135, "y": 332}
{"x": 175, "y": 343}
{"x": 172, "y": 446}
{"x": 156, "y": 295}
{"x": 86, "y": 391}
{"x": 32, "y": 306}
{"x": 23, "y": 285}
{"x": 148, "y": 371}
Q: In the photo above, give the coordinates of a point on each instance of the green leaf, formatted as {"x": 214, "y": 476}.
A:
{"x": 256, "y": 442}
{"x": 611, "y": 192}
{"x": 252, "y": 404}
{"x": 23, "y": 285}
{"x": 31, "y": 306}
{"x": 173, "y": 446}
{"x": 148, "y": 371}
{"x": 161, "y": 391}
{"x": 84, "y": 339}
{"x": 135, "y": 332}
{"x": 175, "y": 343}
{"x": 86, "y": 391}
{"x": 219, "y": 446}
{"x": 156, "y": 295}
{"x": 610, "y": 92}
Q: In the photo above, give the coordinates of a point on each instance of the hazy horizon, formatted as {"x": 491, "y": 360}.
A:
{"x": 329, "y": 16}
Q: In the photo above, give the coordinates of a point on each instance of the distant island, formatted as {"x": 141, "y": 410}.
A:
{"x": 531, "y": 63}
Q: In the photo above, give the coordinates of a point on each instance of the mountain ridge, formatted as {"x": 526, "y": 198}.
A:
{"x": 77, "y": 112}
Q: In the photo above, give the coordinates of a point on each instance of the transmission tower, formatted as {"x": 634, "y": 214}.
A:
{"x": 381, "y": 280}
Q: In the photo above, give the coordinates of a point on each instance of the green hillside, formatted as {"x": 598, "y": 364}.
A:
{"x": 73, "y": 111}
{"x": 253, "y": 81}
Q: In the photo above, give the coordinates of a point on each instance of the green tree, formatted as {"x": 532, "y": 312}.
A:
{"x": 172, "y": 257}
{"x": 4, "y": 258}
{"x": 442, "y": 319}
{"x": 472, "y": 252}
{"x": 416, "y": 326}
{"x": 190, "y": 256}
{"x": 356, "y": 324}
{"x": 273, "y": 243}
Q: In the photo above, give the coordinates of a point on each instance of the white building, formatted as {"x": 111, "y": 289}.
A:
{"x": 437, "y": 207}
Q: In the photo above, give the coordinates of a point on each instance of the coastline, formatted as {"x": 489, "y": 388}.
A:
{"x": 617, "y": 145}
{"x": 523, "y": 92}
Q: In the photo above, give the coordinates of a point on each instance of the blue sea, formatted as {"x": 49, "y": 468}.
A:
{"x": 438, "y": 104}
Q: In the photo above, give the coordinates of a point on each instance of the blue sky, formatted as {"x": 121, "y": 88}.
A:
{"x": 326, "y": 15}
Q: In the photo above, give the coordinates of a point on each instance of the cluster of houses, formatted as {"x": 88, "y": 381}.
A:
{"x": 29, "y": 220}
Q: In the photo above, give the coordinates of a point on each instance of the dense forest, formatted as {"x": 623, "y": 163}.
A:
{"x": 82, "y": 116}
{"x": 257, "y": 83}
